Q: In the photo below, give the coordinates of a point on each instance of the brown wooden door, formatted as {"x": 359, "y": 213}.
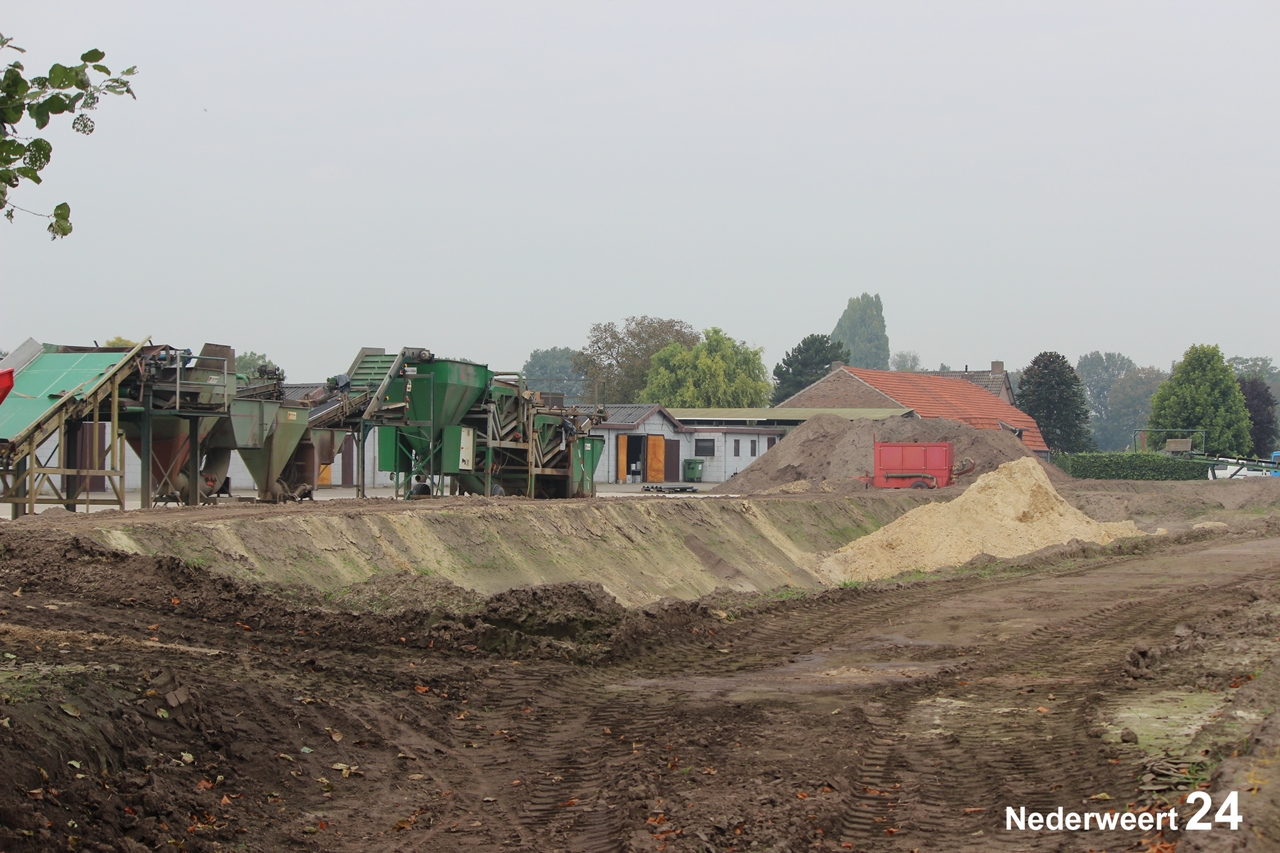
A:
{"x": 671, "y": 470}
{"x": 654, "y": 465}
{"x": 622, "y": 459}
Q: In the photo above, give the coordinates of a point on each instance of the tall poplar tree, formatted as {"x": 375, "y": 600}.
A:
{"x": 861, "y": 330}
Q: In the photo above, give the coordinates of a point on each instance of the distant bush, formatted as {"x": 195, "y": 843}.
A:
{"x": 1129, "y": 466}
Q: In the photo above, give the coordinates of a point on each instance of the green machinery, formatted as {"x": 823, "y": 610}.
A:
{"x": 178, "y": 401}
{"x": 485, "y": 432}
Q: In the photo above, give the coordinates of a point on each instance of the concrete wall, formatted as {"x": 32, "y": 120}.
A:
{"x": 716, "y": 469}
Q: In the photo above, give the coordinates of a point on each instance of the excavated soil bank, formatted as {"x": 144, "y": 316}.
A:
{"x": 826, "y": 452}
{"x": 638, "y": 550}
{"x": 1008, "y": 512}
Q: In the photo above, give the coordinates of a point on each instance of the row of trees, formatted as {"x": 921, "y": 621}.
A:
{"x": 652, "y": 359}
{"x": 1100, "y": 402}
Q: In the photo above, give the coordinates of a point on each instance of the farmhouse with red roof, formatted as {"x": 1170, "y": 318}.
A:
{"x": 929, "y": 396}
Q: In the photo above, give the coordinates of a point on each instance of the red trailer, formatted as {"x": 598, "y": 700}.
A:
{"x": 915, "y": 465}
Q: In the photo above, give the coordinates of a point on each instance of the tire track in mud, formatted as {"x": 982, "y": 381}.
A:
{"x": 1044, "y": 763}
{"x": 758, "y": 639}
{"x": 546, "y": 732}
{"x": 870, "y": 809}
{"x": 573, "y": 797}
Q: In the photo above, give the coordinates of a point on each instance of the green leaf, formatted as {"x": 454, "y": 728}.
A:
{"x": 102, "y": 69}
{"x": 61, "y": 227}
{"x": 82, "y": 78}
{"x": 8, "y": 177}
{"x": 82, "y": 124}
{"x": 56, "y": 104}
{"x": 28, "y": 173}
{"x": 38, "y": 153}
{"x": 11, "y": 150}
{"x": 130, "y": 71}
{"x": 13, "y": 85}
{"x": 94, "y": 55}
{"x": 40, "y": 113}
{"x": 61, "y": 77}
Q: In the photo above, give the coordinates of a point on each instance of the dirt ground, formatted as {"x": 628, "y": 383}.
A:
{"x": 155, "y": 701}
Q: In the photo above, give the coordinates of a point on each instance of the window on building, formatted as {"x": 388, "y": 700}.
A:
{"x": 753, "y": 447}
{"x": 737, "y": 447}
{"x": 704, "y": 447}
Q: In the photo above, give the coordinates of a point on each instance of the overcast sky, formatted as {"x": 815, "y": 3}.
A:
{"x": 483, "y": 179}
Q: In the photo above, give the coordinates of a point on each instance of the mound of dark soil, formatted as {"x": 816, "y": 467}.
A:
{"x": 563, "y": 611}
{"x": 827, "y": 451}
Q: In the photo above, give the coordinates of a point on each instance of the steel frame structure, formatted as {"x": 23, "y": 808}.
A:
{"x": 24, "y": 475}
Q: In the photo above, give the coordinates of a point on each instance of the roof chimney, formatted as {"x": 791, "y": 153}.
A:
{"x": 837, "y": 365}
{"x": 997, "y": 367}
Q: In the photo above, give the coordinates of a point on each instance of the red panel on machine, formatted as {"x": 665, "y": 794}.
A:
{"x": 6, "y": 383}
{"x": 901, "y": 465}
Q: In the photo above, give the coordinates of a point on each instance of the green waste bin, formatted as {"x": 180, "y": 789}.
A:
{"x": 693, "y": 470}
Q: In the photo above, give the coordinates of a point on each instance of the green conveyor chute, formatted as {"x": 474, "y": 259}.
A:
{"x": 45, "y": 383}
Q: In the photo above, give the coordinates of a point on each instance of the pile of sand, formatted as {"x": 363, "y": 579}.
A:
{"x": 828, "y": 451}
{"x": 1008, "y": 512}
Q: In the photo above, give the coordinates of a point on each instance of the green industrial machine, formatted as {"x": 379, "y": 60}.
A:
{"x": 462, "y": 427}
{"x": 267, "y": 433}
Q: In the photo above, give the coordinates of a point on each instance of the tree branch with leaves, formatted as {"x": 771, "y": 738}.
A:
{"x": 66, "y": 89}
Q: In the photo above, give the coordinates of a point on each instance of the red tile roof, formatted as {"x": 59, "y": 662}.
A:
{"x": 955, "y": 399}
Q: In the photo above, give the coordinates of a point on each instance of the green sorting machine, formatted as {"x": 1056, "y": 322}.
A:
{"x": 454, "y": 426}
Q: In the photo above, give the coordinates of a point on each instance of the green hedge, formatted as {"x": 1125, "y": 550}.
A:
{"x": 1129, "y": 466}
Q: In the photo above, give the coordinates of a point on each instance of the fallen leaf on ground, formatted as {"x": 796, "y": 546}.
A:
{"x": 70, "y": 710}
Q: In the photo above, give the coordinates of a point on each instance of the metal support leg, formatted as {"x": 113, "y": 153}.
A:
{"x": 193, "y": 462}
{"x": 145, "y": 487}
{"x": 19, "y": 487}
{"x": 359, "y": 435}
{"x": 71, "y": 457}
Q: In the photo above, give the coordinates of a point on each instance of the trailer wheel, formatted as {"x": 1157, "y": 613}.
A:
{"x": 919, "y": 484}
{"x": 497, "y": 491}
